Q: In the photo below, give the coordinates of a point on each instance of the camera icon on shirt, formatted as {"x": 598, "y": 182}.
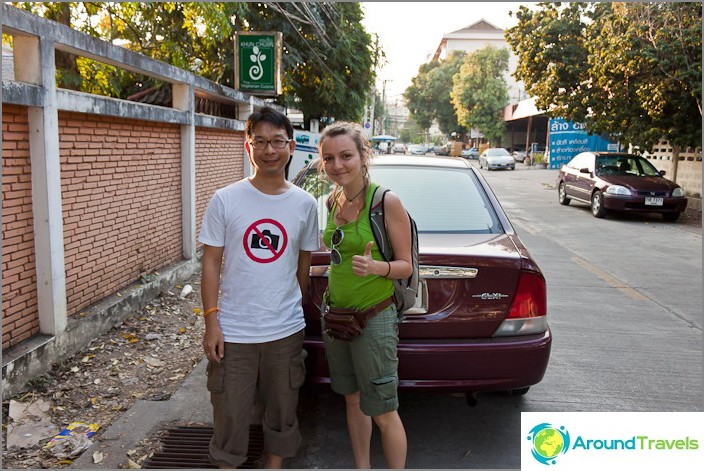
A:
{"x": 258, "y": 241}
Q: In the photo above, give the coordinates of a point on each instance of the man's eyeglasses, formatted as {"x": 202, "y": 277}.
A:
{"x": 337, "y": 236}
{"x": 260, "y": 144}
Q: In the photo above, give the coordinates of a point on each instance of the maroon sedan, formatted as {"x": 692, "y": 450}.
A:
{"x": 479, "y": 322}
{"x": 610, "y": 181}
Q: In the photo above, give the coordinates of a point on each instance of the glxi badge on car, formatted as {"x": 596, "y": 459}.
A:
{"x": 490, "y": 296}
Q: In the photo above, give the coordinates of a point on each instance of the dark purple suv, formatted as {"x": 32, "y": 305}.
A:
{"x": 480, "y": 319}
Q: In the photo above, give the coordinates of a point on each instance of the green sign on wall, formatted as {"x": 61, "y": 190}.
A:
{"x": 258, "y": 62}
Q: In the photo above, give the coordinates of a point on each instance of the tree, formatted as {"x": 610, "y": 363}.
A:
{"x": 632, "y": 70}
{"x": 328, "y": 59}
{"x": 326, "y": 63}
{"x": 428, "y": 96}
{"x": 479, "y": 94}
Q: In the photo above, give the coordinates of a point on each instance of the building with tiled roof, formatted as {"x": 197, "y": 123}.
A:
{"x": 477, "y": 36}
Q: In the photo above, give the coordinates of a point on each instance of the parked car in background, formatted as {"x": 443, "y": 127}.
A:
{"x": 610, "y": 181}
{"x": 471, "y": 153}
{"x": 519, "y": 155}
{"x": 480, "y": 318}
{"x": 441, "y": 150}
{"x": 399, "y": 148}
{"x": 495, "y": 158}
{"x": 416, "y": 149}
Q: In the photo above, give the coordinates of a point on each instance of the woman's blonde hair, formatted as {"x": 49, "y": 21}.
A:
{"x": 356, "y": 132}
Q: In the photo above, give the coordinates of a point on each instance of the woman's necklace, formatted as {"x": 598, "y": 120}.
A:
{"x": 355, "y": 196}
{"x": 342, "y": 208}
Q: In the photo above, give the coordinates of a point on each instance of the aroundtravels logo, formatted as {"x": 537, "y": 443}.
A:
{"x": 549, "y": 442}
{"x": 611, "y": 440}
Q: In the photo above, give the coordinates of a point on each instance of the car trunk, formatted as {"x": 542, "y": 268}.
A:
{"x": 468, "y": 306}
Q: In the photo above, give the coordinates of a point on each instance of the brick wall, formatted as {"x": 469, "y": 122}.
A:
{"x": 219, "y": 162}
{"x": 19, "y": 280}
{"x": 121, "y": 195}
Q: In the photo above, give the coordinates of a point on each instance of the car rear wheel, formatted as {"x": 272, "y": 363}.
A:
{"x": 562, "y": 195}
{"x": 598, "y": 210}
{"x": 519, "y": 391}
{"x": 670, "y": 216}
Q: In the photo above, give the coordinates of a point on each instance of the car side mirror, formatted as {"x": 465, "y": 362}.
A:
{"x": 662, "y": 173}
{"x": 584, "y": 170}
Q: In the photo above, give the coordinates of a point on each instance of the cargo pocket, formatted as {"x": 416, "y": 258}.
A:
{"x": 385, "y": 387}
{"x": 297, "y": 370}
{"x": 216, "y": 377}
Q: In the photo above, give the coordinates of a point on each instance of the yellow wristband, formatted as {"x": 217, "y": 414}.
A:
{"x": 210, "y": 311}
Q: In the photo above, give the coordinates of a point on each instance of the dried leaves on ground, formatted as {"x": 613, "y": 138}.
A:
{"x": 145, "y": 357}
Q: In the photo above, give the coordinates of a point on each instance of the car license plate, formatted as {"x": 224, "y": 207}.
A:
{"x": 650, "y": 201}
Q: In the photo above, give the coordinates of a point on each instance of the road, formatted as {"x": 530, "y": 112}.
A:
{"x": 625, "y": 308}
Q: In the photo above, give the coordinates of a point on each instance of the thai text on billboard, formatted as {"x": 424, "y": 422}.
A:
{"x": 568, "y": 139}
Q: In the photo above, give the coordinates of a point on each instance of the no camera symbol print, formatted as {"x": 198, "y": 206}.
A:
{"x": 268, "y": 238}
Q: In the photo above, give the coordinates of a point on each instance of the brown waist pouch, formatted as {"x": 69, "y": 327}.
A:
{"x": 346, "y": 324}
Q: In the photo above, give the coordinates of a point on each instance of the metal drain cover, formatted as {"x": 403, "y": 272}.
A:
{"x": 186, "y": 447}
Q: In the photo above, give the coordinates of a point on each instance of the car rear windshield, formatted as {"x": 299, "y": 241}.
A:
{"x": 441, "y": 200}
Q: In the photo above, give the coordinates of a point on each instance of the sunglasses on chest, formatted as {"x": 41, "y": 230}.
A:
{"x": 337, "y": 236}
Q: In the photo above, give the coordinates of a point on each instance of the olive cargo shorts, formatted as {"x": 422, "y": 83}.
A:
{"x": 271, "y": 373}
{"x": 368, "y": 363}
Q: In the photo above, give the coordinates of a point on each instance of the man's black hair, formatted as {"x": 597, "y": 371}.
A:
{"x": 271, "y": 116}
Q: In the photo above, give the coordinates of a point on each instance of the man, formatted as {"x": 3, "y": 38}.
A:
{"x": 264, "y": 228}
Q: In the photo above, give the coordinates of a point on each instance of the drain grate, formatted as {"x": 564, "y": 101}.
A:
{"x": 186, "y": 447}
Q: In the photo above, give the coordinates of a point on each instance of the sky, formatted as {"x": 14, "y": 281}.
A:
{"x": 410, "y": 32}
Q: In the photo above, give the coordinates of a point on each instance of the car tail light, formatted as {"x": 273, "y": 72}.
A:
{"x": 528, "y": 311}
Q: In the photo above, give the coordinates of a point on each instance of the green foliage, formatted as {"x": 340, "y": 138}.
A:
{"x": 327, "y": 61}
{"x": 479, "y": 93}
{"x": 428, "y": 97}
{"x": 632, "y": 70}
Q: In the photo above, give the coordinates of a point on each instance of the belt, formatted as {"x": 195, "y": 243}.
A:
{"x": 366, "y": 313}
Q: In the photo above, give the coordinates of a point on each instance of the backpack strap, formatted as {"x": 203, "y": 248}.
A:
{"x": 378, "y": 224}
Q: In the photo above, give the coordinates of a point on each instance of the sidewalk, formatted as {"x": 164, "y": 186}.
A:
{"x": 191, "y": 403}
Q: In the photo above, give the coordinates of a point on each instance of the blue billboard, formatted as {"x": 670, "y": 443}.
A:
{"x": 568, "y": 139}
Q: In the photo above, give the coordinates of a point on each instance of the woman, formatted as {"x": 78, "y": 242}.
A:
{"x": 364, "y": 369}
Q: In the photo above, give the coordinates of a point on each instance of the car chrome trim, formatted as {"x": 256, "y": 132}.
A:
{"x": 424, "y": 271}
{"x": 437, "y": 272}
{"x": 490, "y": 295}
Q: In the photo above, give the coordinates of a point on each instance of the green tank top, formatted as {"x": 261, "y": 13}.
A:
{"x": 348, "y": 290}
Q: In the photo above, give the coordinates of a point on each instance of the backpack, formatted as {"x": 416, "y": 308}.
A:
{"x": 405, "y": 289}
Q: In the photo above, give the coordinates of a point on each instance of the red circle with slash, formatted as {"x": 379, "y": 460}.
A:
{"x": 255, "y": 231}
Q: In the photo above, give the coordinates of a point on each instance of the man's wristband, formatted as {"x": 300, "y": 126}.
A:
{"x": 389, "y": 270}
{"x": 210, "y": 311}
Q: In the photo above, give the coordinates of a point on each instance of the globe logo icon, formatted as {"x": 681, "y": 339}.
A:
{"x": 548, "y": 442}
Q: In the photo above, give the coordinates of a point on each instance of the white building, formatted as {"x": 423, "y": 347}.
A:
{"x": 477, "y": 36}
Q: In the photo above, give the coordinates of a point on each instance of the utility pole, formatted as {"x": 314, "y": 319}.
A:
{"x": 383, "y": 100}
{"x": 371, "y": 111}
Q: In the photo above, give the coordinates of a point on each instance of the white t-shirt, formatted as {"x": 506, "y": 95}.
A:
{"x": 262, "y": 235}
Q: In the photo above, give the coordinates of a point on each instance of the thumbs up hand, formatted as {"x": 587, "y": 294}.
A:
{"x": 363, "y": 265}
